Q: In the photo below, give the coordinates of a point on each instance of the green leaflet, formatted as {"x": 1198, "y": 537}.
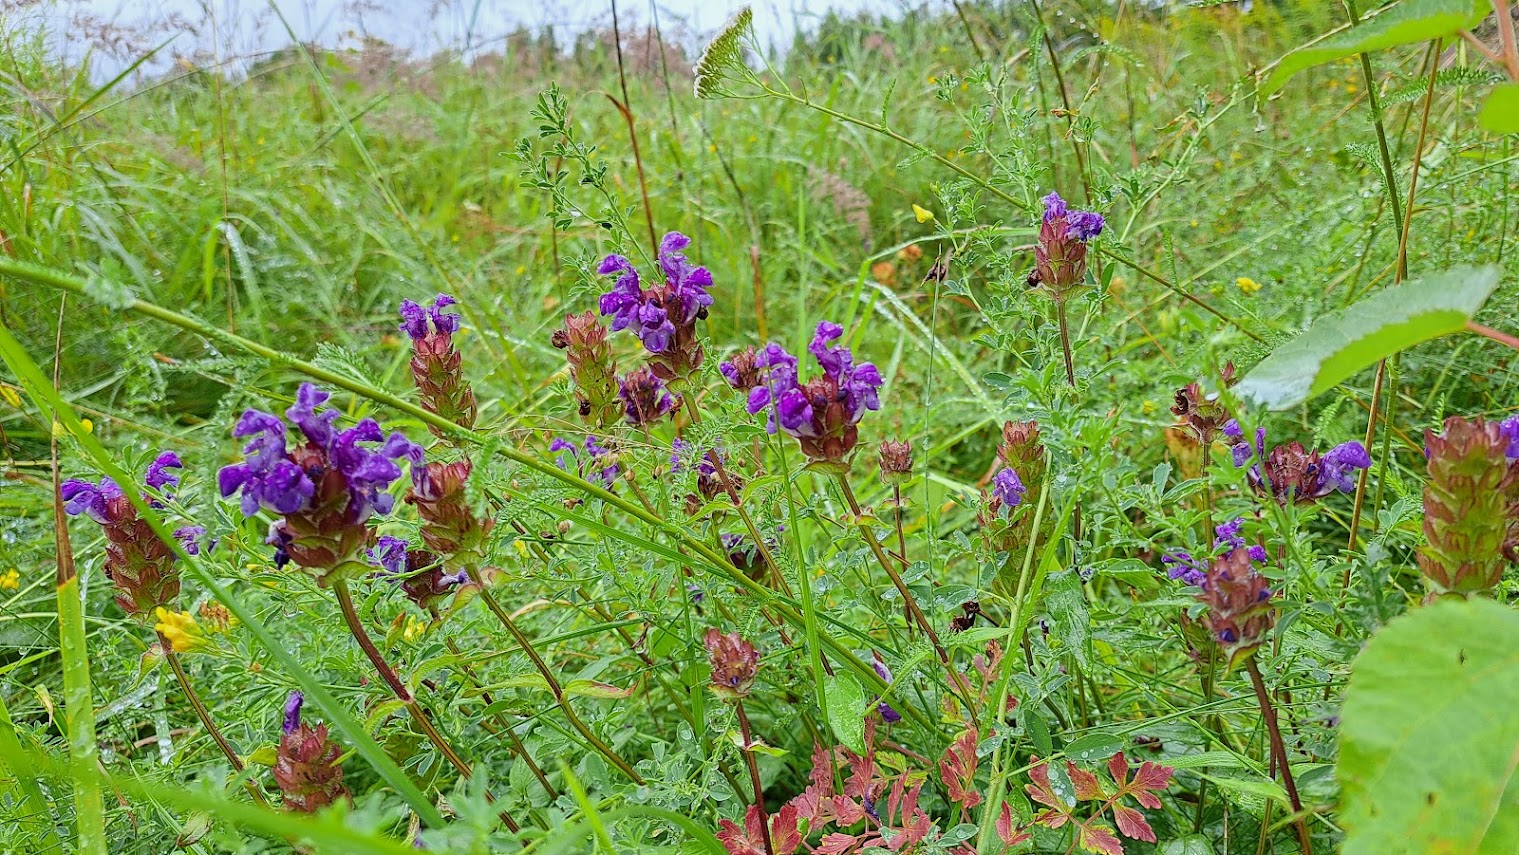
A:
{"x": 1500, "y": 112}
{"x": 1409, "y": 22}
{"x": 1339, "y": 345}
{"x": 1430, "y": 736}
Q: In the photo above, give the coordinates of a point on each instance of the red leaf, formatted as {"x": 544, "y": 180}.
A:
{"x": 1131, "y": 823}
{"x": 1097, "y": 838}
{"x": 1008, "y": 829}
{"x": 736, "y": 841}
{"x": 836, "y": 843}
{"x": 785, "y": 836}
{"x": 1149, "y": 780}
{"x": 1039, "y": 787}
{"x": 1088, "y": 788}
{"x": 847, "y": 810}
{"x": 958, "y": 769}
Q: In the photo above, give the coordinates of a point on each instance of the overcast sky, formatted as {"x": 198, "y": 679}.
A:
{"x": 244, "y": 27}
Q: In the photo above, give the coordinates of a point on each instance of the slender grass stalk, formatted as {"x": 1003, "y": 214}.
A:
{"x": 205, "y": 716}
{"x": 625, "y": 107}
{"x": 503, "y": 725}
{"x": 1279, "y": 753}
{"x": 554, "y": 686}
{"x": 26, "y": 782}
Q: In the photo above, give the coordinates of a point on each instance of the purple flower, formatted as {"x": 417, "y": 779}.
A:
{"x": 1338, "y": 465}
{"x": 1509, "y": 427}
{"x": 1233, "y": 430}
{"x": 1257, "y": 553}
{"x": 390, "y": 554}
{"x": 1184, "y": 568}
{"x": 569, "y": 452}
{"x": 83, "y": 497}
{"x": 293, "y": 704}
{"x": 824, "y": 411}
{"x": 1228, "y": 534}
{"x": 158, "y": 477}
{"x": 414, "y": 318}
{"x": 190, "y": 537}
{"x": 887, "y": 713}
{"x": 1008, "y": 488}
{"x": 1081, "y": 225}
{"x": 679, "y": 450}
{"x": 663, "y": 315}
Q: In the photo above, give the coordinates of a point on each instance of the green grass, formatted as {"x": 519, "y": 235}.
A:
{"x": 295, "y": 207}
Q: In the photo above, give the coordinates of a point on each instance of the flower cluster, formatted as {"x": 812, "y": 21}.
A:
{"x": 592, "y": 368}
{"x": 450, "y": 527}
{"x": 1060, "y": 257}
{"x": 823, "y": 412}
{"x": 1471, "y": 505}
{"x": 1238, "y": 601}
{"x": 734, "y": 664}
{"x": 1203, "y": 415}
{"x": 305, "y": 766}
{"x": 645, "y": 399}
{"x": 324, "y": 490}
{"x": 1182, "y": 567}
{"x": 598, "y": 464}
{"x": 1293, "y": 475}
{"x": 139, "y": 565}
{"x": 663, "y": 317}
{"x": 435, "y": 363}
{"x": 420, "y": 573}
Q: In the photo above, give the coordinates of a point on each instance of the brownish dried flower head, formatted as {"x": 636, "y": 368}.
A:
{"x": 734, "y": 663}
{"x": 896, "y": 461}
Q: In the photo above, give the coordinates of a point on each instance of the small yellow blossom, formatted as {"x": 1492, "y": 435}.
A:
{"x": 1247, "y": 285}
{"x": 1148, "y": 406}
{"x": 923, "y": 214}
{"x": 10, "y": 580}
{"x": 414, "y": 630}
{"x": 180, "y": 630}
{"x": 10, "y": 396}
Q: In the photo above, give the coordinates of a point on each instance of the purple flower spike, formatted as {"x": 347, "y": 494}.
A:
{"x": 663, "y": 316}
{"x": 414, "y": 318}
{"x": 293, "y": 704}
{"x": 645, "y": 399}
{"x": 158, "y": 477}
{"x": 390, "y": 554}
{"x": 1008, "y": 489}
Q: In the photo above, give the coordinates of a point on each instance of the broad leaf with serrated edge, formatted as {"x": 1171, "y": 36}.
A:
{"x": 1339, "y": 345}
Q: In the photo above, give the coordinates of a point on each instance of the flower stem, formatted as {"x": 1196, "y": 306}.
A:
{"x": 754, "y": 776}
{"x": 1279, "y": 751}
{"x": 205, "y": 716}
{"x": 398, "y": 688}
{"x": 955, "y": 681}
{"x": 504, "y": 725}
{"x": 553, "y": 683}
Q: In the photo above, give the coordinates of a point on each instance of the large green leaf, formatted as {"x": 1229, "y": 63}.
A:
{"x": 1500, "y": 112}
{"x": 1339, "y": 345}
{"x": 1429, "y": 744}
{"x": 1409, "y": 22}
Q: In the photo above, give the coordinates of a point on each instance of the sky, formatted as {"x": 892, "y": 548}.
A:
{"x": 246, "y": 27}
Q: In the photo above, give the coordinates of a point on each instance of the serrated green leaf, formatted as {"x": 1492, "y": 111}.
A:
{"x": 1429, "y": 752}
{"x": 846, "y": 711}
{"x": 1339, "y": 345}
{"x": 1500, "y": 112}
{"x": 1409, "y": 22}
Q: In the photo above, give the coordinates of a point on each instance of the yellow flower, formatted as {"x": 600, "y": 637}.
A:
{"x": 1247, "y": 285}
{"x": 180, "y": 629}
{"x": 89, "y": 426}
{"x": 923, "y": 214}
{"x": 414, "y": 630}
{"x": 10, "y": 580}
{"x": 10, "y": 396}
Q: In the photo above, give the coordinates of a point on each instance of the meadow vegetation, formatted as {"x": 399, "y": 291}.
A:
{"x": 1003, "y": 427}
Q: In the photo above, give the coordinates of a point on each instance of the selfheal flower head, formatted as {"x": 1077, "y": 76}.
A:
{"x": 1238, "y": 600}
{"x": 1471, "y": 508}
{"x": 390, "y": 554}
{"x": 1060, "y": 256}
{"x": 734, "y": 664}
{"x": 663, "y": 316}
{"x": 822, "y": 413}
{"x": 896, "y": 461}
{"x": 293, "y": 705}
{"x": 1184, "y": 568}
{"x": 742, "y": 370}
{"x": 415, "y": 319}
{"x": 1338, "y": 466}
{"x": 1509, "y": 428}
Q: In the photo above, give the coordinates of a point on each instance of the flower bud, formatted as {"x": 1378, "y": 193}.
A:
{"x": 896, "y": 462}
{"x": 1240, "y": 613}
{"x": 305, "y": 768}
{"x": 1471, "y": 506}
{"x": 436, "y": 364}
{"x": 592, "y": 368}
{"x": 734, "y": 663}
